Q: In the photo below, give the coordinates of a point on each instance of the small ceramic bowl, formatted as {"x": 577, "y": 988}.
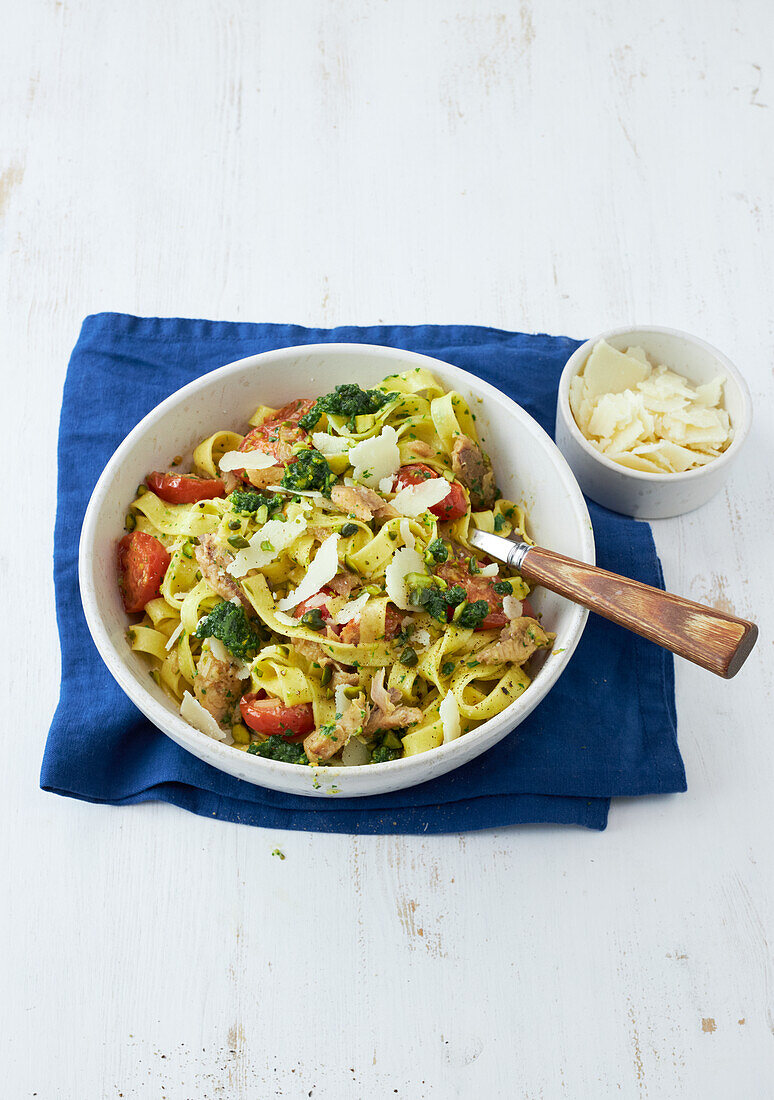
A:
{"x": 634, "y": 492}
{"x": 529, "y": 469}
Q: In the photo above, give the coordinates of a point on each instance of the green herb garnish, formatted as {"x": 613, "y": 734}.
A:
{"x": 228, "y": 623}
{"x": 474, "y": 614}
{"x": 438, "y": 550}
{"x": 277, "y": 748}
{"x": 249, "y": 502}
{"x": 309, "y": 471}
{"x": 347, "y": 400}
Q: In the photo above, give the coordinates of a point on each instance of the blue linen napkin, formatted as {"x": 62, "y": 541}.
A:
{"x": 607, "y": 728}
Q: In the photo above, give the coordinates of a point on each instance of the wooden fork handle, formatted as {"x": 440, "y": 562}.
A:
{"x": 718, "y": 642}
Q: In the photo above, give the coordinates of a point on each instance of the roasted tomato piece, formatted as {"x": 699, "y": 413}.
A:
{"x": 269, "y": 715}
{"x": 451, "y": 507}
{"x": 319, "y": 602}
{"x": 184, "y": 488}
{"x": 142, "y": 563}
{"x": 279, "y": 435}
{"x": 392, "y": 621}
{"x": 476, "y": 588}
{"x": 294, "y": 410}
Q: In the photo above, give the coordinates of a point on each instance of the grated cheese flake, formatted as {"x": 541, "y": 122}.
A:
{"x": 351, "y": 610}
{"x": 403, "y": 562}
{"x": 648, "y": 418}
{"x": 416, "y": 499}
{"x": 330, "y": 444}
{"x": 341, "y": 702}
{"x": 174, "y": 636}
{"x": 377, "y": 458}
{"x": 322, "y": 568}
{"x": 220, "y": 653}
{"x": 450, "y": 718}
{"x": 266, "y": 545}
{"x": 246, "y": 460}
{"x": 285, "y": 619}
{"x": 201, "y": 719}
{"x": 512, "y": 607}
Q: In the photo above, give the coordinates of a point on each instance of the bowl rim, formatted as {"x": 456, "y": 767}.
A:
{"x": 187, "y": 735}
{"x": 741, "y": 425}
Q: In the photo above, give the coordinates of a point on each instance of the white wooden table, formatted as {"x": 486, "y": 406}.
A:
{"x": 535, "y": 166}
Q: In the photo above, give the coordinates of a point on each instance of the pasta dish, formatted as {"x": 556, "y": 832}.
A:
{"x": 308, "y": 592}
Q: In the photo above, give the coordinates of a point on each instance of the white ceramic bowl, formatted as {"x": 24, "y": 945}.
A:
{"x": 529, "y": 468}
{"x": 634, "y": 492}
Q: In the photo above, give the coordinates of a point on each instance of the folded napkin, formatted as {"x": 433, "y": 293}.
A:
{"x": 607, "y": 728}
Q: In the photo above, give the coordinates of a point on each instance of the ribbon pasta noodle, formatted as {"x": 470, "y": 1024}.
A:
{"x": 315, "y": 618}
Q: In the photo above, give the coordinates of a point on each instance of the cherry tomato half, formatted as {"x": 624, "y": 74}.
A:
{"x": 278, "y": 436}
{"x": 269, "y": 715}
{"x": 142, "y": 563}
{"x": 184, "y": 488}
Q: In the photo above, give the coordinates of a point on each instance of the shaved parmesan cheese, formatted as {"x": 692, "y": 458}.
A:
{"x": 611, "y": 371}
{"x": 404, "y": 561}
{"x": 318, "y": 498}
{"x": 174, "y": 636}
{"x": 490, "y": 570}
{"x": 406, "y": 534}
{"x": 201, "y": 719}
{"x": 341, "y": 702}
{"x": 387, "y": 484}
{"x": 421, "y": 637}
{"x": 219, "y": 651}
{"x": 329, "y": 444}
{"x": 639, "y": 354}
{"x": 322, "y": 568}
{"x": 647, "y": 418}
{"x": 351, "y": 610}
{"x": 285, "y": 619}
{"x": 711, "y": 392}
{"x": 355, "y": 753}
{"x": 450, "y": 718}
{"x": 377, "y": 458}
{"x": 317, "y": 601}
{"x": 416, "y": 499}
{"x": 246, "y": 460}
{"x": 266, "y": 545}
{"x": 512, "y": 607}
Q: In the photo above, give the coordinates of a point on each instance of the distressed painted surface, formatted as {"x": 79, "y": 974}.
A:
{"x": 535, "y": 166}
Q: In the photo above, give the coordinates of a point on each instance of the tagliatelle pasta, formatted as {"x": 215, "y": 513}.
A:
{"x": 328, "y": 607}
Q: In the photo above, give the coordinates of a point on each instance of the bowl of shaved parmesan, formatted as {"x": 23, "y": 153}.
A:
{"x": 276, "y": 566}
{"x": 651, "y": 420}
